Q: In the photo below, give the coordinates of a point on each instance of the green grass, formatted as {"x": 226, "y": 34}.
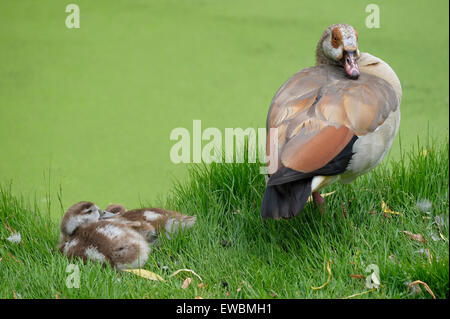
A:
{"x": 239, "y": 255}
{"x": 136, "y": 69}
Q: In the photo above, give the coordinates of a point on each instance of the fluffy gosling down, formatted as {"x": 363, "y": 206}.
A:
{"x": 120, "y": 239}
{"x": 149, "y": 222}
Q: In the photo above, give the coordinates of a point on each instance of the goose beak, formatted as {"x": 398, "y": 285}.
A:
{"x": 351, "y": 65}
{"x": 104, "y": 214}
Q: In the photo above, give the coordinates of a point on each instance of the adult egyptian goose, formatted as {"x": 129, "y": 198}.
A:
{"x": 150, "y": 222}
{"x": 332, "y": 122}
{"x": 85, "y": 235}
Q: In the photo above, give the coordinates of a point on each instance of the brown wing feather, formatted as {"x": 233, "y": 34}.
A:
{"x": 314, "y": 153}
{"x": 318, "y": 110}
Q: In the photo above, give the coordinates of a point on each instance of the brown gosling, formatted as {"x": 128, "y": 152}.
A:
{"x": 85, "y": 235}
{"x": 150, "y": 222}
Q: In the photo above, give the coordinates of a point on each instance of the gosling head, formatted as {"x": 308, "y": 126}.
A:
{"x": 80, "y": 214}
{"x": 339, "y": 46}
{"x": 116, "y": 209}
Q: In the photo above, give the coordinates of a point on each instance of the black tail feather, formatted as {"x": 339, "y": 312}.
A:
{"x": 286, "y": 200}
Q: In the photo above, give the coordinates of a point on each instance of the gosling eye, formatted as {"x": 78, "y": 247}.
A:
{"x": 88, "y": 210}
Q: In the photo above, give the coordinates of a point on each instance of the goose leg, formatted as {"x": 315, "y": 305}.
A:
{"x": 319, "y": 201}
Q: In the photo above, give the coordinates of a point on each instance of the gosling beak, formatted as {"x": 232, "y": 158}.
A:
{"x": 104, "y": 214}
{"x": 351, "y": 65}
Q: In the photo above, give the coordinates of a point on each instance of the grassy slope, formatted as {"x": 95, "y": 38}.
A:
{"x": 117, "y": 85}
{"x": 257, "y": 259}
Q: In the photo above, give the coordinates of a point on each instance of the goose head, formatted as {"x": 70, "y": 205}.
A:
{"x": 79, "y": 214}
{"x": 339, "y": 46}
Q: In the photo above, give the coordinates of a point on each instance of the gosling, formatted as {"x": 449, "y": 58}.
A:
{"x": 84, "y": 234}
{"x": 150, "y": 222}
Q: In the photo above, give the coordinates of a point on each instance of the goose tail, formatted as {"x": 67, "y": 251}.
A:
{"x": 285, "y": 200}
